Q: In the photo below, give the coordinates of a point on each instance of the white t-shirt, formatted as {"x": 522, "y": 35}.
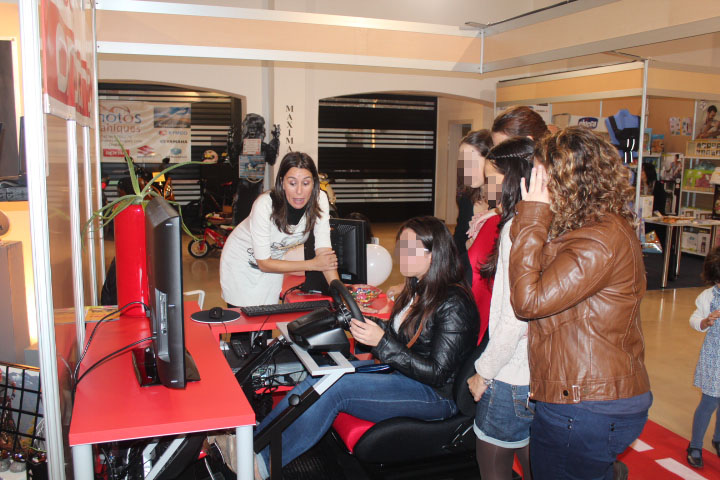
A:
{"x": 242, "y": 282}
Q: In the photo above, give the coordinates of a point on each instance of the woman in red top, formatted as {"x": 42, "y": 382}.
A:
{"x": 518, "y": 121}
{"x": 478, "y": 254}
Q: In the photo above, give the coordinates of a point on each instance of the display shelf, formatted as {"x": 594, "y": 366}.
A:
{"x": 692, "y": 252}
{"x": 701, "y": 168}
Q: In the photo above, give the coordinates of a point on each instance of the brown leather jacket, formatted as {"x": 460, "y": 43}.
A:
{"x": 581, "y": 292}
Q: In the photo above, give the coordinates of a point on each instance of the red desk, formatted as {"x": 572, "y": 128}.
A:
{"x": 111, "y": 406}
{"x": 381, "y": 309}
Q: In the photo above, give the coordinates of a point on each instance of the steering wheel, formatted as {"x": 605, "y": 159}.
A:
{"x": 340, "y": 295}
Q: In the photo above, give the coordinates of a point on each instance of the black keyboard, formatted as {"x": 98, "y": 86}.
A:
{"x": 275, "y": 308}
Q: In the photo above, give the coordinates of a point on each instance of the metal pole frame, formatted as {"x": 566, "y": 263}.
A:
{"x": 36, "y": 150}
{"x": 76, "y": 232}
{"x": 89, "y": 181}
{"x": 98, "y": 179}
{"x": 642, "y": 136}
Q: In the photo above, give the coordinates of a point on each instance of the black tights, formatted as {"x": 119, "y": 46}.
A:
{"x": 496, "y": 462}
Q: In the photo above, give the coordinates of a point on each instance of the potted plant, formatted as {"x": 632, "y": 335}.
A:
{"x": 128, "y": 215}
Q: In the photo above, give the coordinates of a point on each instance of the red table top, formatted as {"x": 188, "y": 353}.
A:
{"x": 381, "y": 309}
{"x": 111, "y": 406}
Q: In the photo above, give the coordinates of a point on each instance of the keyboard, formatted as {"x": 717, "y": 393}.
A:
{"x": 276, "y": 308}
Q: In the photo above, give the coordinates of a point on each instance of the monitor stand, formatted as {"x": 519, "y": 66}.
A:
{"x": 145, "y": 367}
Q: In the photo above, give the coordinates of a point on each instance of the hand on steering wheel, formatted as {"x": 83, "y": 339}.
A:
{"x": 341, "y": 296}
{"x": 367, "y": 333}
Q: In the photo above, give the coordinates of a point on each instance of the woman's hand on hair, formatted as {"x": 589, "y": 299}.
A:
{"x": 477, "y": 386}
{"x": 537, "y": 191}
{"x": 366, "y": 332}
{"x": 325, "y": 259}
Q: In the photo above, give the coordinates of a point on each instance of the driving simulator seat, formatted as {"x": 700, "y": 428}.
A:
{"x": 402, "y": 443}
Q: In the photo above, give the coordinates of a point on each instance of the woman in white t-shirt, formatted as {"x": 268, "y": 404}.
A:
{"x": 501, "y": 383}
{"x": 252, "y": 265}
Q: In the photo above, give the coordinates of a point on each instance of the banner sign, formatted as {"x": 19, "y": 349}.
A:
{"x": 68, "y": 58}
{"x": 148, "y": 131}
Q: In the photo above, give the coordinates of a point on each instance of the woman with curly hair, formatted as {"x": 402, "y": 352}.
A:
{"x": 577, "y": 275}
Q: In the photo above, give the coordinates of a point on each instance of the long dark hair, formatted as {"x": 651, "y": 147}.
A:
{"x": 432, "y": 289}
{"x": 512, "y": 158}
{"x": 480, "y": 140}
{"x": 520, "y": 121}
{"x": 650, "y": 174}
{"x": 277, "y": 194}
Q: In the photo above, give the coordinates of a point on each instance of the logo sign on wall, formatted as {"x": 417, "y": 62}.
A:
{"x": 68, "y": 57}
{"x": 149, "y": 132}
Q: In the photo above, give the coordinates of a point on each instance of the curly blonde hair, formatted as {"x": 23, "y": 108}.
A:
{"x": 586, "y": 179}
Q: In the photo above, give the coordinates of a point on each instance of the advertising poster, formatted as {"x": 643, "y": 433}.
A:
{"x": 68, "y": 58}
{"x": 707, "y": 122}
{"x": 671, "y": 167}
{"x": 148, "y": 131}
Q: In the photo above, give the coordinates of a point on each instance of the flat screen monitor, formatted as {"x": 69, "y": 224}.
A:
{"x": 348, "y": 241}
{"x": 165, "y": 281}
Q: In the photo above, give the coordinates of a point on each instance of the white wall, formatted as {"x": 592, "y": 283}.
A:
{"x": 234, "y": 78}
{"x": 301, "y": 87}
{"x": 450, "y": 110}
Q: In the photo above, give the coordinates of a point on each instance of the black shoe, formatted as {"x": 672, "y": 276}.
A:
{"x": 694, "y": 457}
{"x": 717, "y": 447}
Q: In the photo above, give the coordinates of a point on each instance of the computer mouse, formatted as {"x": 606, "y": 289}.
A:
{"x": 215, "y": 313}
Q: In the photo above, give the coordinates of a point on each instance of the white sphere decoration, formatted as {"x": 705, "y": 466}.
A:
{"x": 379, "y": 264}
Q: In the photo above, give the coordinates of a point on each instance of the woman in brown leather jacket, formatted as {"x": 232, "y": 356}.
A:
{"x": 577, "y": 274}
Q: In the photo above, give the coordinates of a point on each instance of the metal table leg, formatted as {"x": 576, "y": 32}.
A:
{"x": 678, "y": 253}
{"x": 244, "y": 451}
{"x": 666, "y": 256}
{"x": 83, "y": 462}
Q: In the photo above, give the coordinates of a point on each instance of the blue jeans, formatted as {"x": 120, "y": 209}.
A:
{"x": 503, "y": 415}
{"x": 701, "y": 420}
{"x": 370, "y": 396}
{"x": 570, "y": 442}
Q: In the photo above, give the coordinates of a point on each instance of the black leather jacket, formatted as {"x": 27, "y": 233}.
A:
{"x": 449, "y": 336}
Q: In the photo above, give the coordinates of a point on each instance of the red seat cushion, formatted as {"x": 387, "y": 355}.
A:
{"x": 350, "y": 429}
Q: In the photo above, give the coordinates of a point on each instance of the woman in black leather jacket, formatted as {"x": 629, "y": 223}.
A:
{"x": 432, "y": 330}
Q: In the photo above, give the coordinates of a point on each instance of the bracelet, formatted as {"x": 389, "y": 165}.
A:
{"x": 489, "y": 381}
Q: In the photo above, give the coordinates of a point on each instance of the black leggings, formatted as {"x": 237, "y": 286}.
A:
{"x": 496, "y": 462}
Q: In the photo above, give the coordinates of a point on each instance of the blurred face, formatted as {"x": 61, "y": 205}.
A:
{"x": 710, "y": 115}
{"x": 415, "y": 259}
{"x": 470, "y": 166}
{"x": 499, "y": 137}
{"x": 493, "y": 184}
{"x": 298, "y": 186}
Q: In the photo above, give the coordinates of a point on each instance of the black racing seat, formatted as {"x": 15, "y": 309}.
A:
{"x": 404, "y": 441}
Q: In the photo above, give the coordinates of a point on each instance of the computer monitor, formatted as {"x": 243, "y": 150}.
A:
{"x": 165, "y": 286}
{"x": 347, "y": 238}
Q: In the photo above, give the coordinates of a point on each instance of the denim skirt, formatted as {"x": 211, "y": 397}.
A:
{"x": 503, "y": 415}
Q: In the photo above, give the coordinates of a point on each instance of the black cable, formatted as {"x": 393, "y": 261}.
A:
{"x": 225, "y": 353}
{"x": 289, "y": 290}
{"x": 92, "y": 334}
{"x": 257, "y": 333}
{"x": 110, "y": 355}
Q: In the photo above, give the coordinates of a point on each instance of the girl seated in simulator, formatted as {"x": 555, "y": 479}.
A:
{"x": 432, "y": 330}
